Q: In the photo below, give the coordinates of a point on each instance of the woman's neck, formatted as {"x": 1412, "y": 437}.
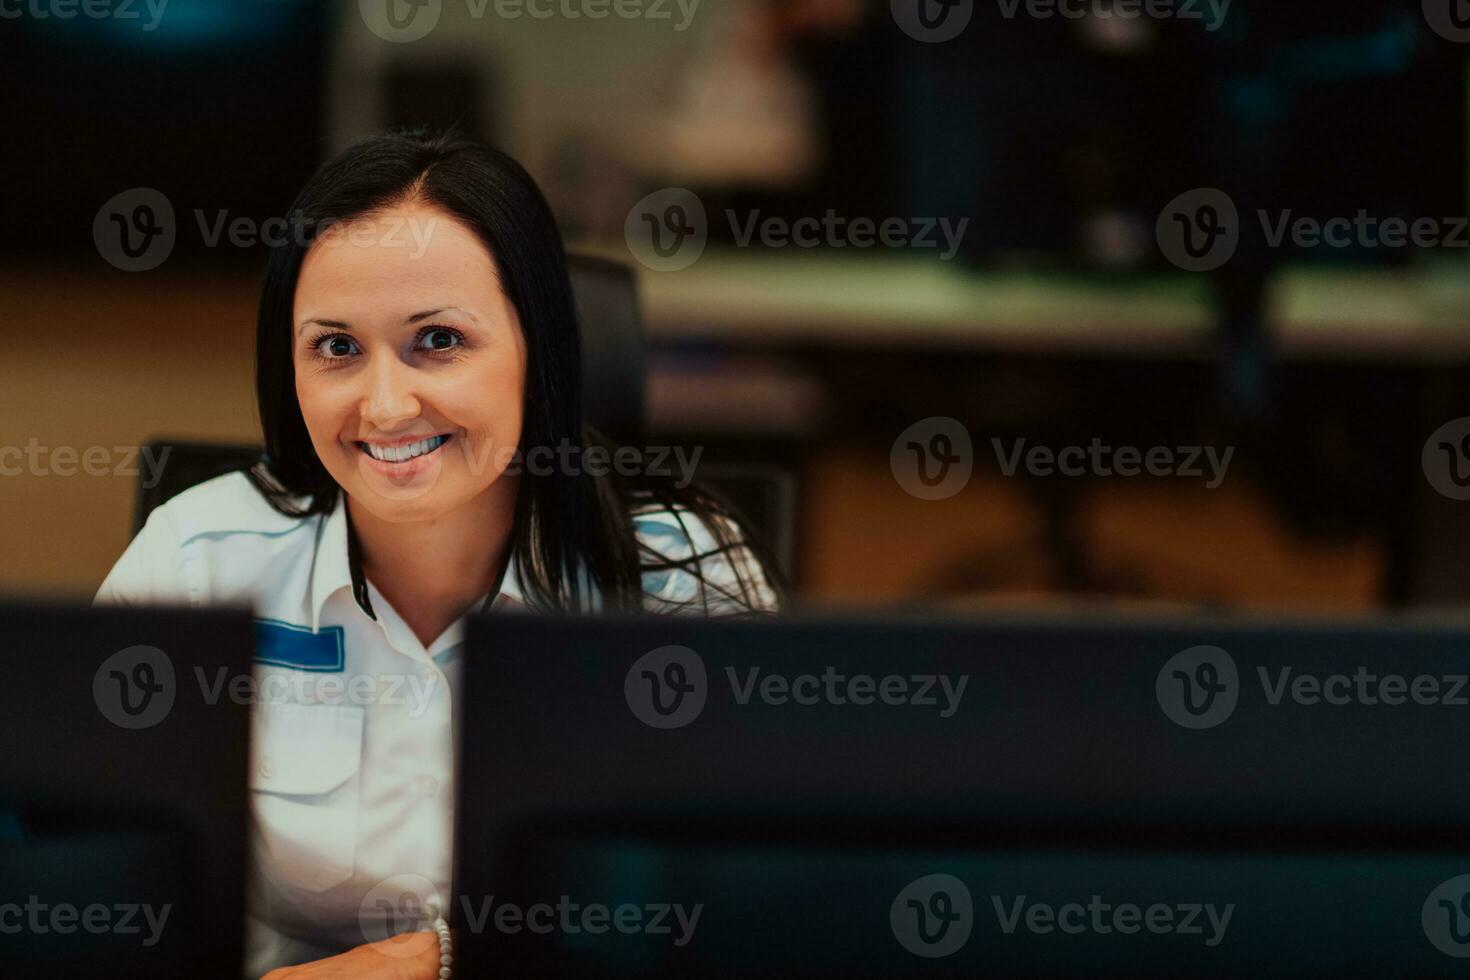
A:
{"x": 433, "y": 571}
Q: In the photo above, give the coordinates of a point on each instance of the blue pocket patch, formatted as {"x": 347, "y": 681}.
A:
{"x": 286, "y": 645}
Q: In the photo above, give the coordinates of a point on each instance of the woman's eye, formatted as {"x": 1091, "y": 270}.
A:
{"x": 440, "y": 339}
{"x": 336, "y": 348}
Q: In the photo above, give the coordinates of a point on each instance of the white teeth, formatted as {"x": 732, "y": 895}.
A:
{"x": 400, "y": 454}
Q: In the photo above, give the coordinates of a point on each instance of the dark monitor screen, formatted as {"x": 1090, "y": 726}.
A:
{"x": 122, "y": 792}
{"x": 814, "y": 784}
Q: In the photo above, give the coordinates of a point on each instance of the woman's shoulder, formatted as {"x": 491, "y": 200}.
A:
{"x": 223, "y": 506}
{"x": 225, "y": 523}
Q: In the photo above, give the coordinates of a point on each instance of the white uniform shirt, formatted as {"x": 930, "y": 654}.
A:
{"x": 353, "y": 726}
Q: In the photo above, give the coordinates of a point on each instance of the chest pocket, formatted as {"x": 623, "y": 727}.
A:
{"x": 304, "y": 776}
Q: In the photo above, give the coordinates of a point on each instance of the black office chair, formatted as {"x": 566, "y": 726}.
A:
{"x": 764, "y": 496}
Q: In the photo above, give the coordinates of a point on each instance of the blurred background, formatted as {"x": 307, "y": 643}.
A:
{"x": 1091, "y": 236}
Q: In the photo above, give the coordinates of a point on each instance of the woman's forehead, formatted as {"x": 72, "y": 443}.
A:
{"x": 399, "y": 258}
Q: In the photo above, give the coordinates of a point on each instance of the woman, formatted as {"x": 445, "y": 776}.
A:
{"x": 417, "y": 344}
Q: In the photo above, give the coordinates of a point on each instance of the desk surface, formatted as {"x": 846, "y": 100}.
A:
{"x": 860, "y": 300}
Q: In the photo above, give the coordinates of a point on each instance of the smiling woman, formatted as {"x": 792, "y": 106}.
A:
{"x": 417, "y": 340}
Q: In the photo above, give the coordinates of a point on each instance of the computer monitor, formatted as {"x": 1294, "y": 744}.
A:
{"x": 889, "y": 797}
{"x": 123, "y": 792}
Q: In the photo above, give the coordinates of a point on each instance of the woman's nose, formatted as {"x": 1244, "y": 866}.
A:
{"x": 390, "y": 397}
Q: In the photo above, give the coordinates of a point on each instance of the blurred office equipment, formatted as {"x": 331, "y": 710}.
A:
{"x": 442, "y": 95}
{"x": 122, "y": 789}
{"x": 1082, "y": 757}
{"x": 217, "y": 104}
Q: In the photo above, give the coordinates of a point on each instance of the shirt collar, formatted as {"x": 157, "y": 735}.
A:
{"x": 338, "y": 565}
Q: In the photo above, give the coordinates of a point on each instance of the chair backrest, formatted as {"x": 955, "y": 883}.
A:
{"x": 612, "y": 347}
{"x": 764, "y": 497}
{"x": 183, "y": 464}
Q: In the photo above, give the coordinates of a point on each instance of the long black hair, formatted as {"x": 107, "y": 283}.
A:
{"x": 572, "y": 529}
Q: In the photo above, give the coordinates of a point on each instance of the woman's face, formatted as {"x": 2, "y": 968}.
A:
{"x": 410, "y": 362}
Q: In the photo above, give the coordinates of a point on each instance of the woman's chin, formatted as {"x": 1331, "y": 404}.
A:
{"x": 402, "y": 502}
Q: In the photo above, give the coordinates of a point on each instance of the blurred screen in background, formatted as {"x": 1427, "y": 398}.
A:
{"x": 1051, "y": 225}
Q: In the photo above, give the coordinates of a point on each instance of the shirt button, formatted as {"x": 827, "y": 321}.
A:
{"x": 266, "y": 770}
{"x": 425, "y": 785}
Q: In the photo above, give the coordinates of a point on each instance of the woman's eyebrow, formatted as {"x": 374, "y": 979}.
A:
{"x": 443, "y": 309}
{"x": 335, "y": 324}
{"x": 415, "y": 318}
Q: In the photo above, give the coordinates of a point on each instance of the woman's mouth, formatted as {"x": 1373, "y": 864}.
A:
{"x": 405, "y": 453}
